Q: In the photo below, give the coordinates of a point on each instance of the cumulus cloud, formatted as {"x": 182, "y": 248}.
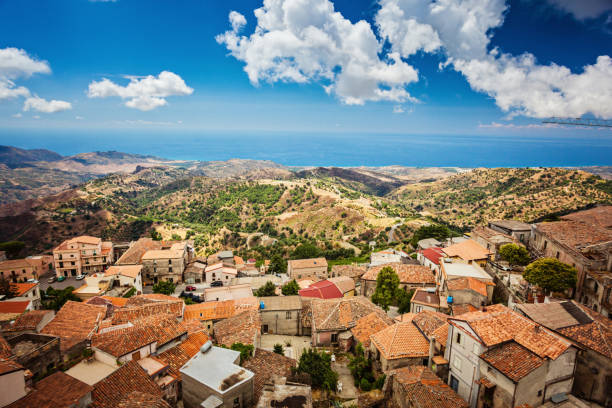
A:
{"x": 306, "y": 41}
{"x": 583, "y": 9}
{"x": 145, "y": 93}
{"x": 42, "y": 105}
{"x": 16, "y": 63}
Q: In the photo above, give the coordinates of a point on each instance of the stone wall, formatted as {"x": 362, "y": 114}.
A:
{"x": 37, "y": 352}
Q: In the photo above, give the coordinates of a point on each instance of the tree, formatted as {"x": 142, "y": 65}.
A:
{"x": 318, "y": 366}
{"x": 266, "y": 290}
{"x": 387, "y": 284}
{"x": 361, "y": 367}
{"x": 246, "y": 351}
{"x": 156, "y": 236}
{"x": 12, "y": 248}
{"x": 439, "y": 232}
{"x": 164, "y": 287}
{"x": 7, "y": 288}
{"x": 514, "y": 254}
{"x": 291, "y": 288}
{"x": 277, "y": 265}
{"x": 551, "y": 275}
{"x": 305, "y": 251}
{"x": 403, "y": 300}
{"x": 55, "y": 299}
{"x": 278, "y": 349}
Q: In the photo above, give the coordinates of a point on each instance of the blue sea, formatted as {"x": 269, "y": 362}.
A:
{"x": 333, "y": 149}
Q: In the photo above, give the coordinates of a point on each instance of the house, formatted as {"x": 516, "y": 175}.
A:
{"x": 417, "y": 386}
{"x": 11, "y": 309}
{"x": 226, "y": 257}
{"x": 584, "y": 241}
{"x": 367, "y": 326}
{"x": 430, "y": 257}
{"x": 452, "y": 270}
{"x": 491, "y": 239}
{"x": 281, "y": 315}
{"x": 388, "y": 256}
{"x": 410, "y": 277}
{"x": 125, "y": 275}
{"x": 159, "y": 372}
{"x": 27, "y": 292}
{"x": 133, "y": 255}
{"x": 22, "y": 270}
{"x": 165, "y": 265}
{"x": 427, "y": 299}
{"x": 210, "y": 313}
{"x": 428, "y": 243}
{"x": 330, "y": 288}
{"x": 434, "y": 326}
{"x": 468, "y": 251}
{"x": 93, "y": 285}
{"x": 57, "y": 390}
{"x": 12, "y": 379}
{"x": 350, "y": 271}
{"x": 518, "y": 230}
{"x": 332, "y": 317}
{"x": 242, "y": 328}
{"x": 589, "y": 331}
{"x": 399, "y": 345}
{"x": 38, "y": 353}
{"x": 303, "y": 268}
{"x": 80, "y": 255}
{"x": 32, "y": 321}
{"x": 75, "y": 323}
{"x": 130, "y": 382}
{"x": 220, "y": 272}
{"x": 469, "y": 290}
{"x": 499, "y": 358}
{"x": 131, "y": 312}
{"x": 228, "y": 292}
{"x": 213, "y": 378}
{"x": 266, "y": 366}
{"x": 345, "y": 284}
{"x": 194, "y": 272}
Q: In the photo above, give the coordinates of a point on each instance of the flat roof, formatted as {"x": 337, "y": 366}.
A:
{"x": 465, "y": 270}
{"x": 91, "y": 372}
{"x": 216, "y": 369}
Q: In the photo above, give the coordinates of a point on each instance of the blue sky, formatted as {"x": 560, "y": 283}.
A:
{"x": 443, "y": 87}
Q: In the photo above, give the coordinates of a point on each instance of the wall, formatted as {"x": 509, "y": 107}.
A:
{"x": 466, "y": 355}
{"x": 418, "y": 307}
{"x": 319, "y": 271}
{"x": 159, "y": 270}
{"x": 530, "y": 386}
{"x": 462, "y": 297}
{"x": 194, "y": 393}
{"x": 279, "y": 324}
{"x": 387, "y": 365}
{"x": 592, "y": 378}
{"x": 426, "y": 262}
{"x": 45, "y": 355}
{"x": 12, "y": 386}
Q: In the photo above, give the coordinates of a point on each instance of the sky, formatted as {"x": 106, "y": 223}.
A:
{"x": 464, "y": 67}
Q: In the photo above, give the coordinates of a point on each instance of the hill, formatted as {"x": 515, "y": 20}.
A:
{"x": 13, "y": 157}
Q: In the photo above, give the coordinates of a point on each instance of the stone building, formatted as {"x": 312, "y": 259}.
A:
{"x": 20, "y": 270}
{"x": 469, "y": 252}
{"x": 38, "y": 353}
{"x": 410, "y": 277}
{"x": 81, "y": 255}
{"x": 304, "y": 268}
{"x": 491, "y": 239}
{"x": 281, "y": 315}
{"x": 516, "y": 229}
{"x": 164, "y": 265}
{"x": 399, "y": 345}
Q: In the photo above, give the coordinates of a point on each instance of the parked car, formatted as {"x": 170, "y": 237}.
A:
{"x": 32, "y": 281}
{"x": 216, "y": 284}
{"x": 190, "y": 288}
{"x": 52, "y": 279}
{"x": 61, "y": 279}
{"x": 80, "y": 277}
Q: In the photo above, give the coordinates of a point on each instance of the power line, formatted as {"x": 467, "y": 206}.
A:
{"x": 580, "y": 122}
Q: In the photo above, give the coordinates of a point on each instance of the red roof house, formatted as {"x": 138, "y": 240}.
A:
{"x": 323, "y": 290}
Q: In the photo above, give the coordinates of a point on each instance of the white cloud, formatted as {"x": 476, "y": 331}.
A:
{"x": 497, "y": 125}
{"x": 42, "y": 105}
{"x": 145, "y": 93}
{"x": 17, "y": 115}
{"x": 306, "y": 41}
{"x": 398, "y": 109}
{"x": 583, "y": 9}
{"x": 9, "y": 90}
{"x": 16, "y": 63}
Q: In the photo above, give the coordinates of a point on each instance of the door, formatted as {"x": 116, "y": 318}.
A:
{"x": 265, "y": 328}
{"x": 454, "y": 383}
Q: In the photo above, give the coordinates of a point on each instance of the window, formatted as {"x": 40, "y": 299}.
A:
{"x": 169, "y": 262}
{"x": 540, "y": 393}
{"x": 288, "y": 315}
{"x": 557, "y": 255}
{"x": 170, "y": 280}
{"x": 545, "y": 244}
{"x": 458, "y": 338}
{"x": 334, "y": 338}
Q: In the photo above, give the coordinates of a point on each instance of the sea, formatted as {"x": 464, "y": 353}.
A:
{"x": 334, "y": 149}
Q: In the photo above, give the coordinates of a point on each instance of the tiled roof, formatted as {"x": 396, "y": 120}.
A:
{"x": 340, "y": 314}
{"x": 498, "y": 324}
{"x": 15, "y": 306}
{"x": 120, "y": 342}
{"x": 426, "y": 298}
{"x": 575, "y": 234}
{"x": 323, "y": 290}
{"x": 137, "y": 399}
{"x": 16, "y": 263}
{"x": 417, "y": 274}
{"x": 461, "y": 309}
{"x": 368, "y": 325}
{"x": 27, "y": 321}
{"x": 22, "y": 288}
{"x": 131, "y": 271}
{"x": 165, "y": 327}
{"x": 468, "y": 283}
{"x": 596, "y": 335}
{"x": 8, "y": 366}
{"x": 217, "y": 310}
{"x": 433, "y": 254}
{"x": 512, "y": 360}
{"x": 74, "y": 322}
{"x": 512, "y": 225}
{"x": 266, "y": 365}
{"x": 402, "y": 340}
{"x": 116, "y": 301}
{"x": 242, "y": 328}
{"x": 432, "y": 324}
{"x": 406, "y": 317}
{"x": 83, "y": 239}
{"x": 58, "y": 390}
{"x": 135, "y": 252}
{"x": 491, "y": 235}
{"x": 130, "y": 377}
{"x": 178, "y": 356}
{"x": 128, "y": 314}
{"x": 344, "y": 283}
{"x": 162, "y": 254}
{"x": 467, "y": 250}
{"x": 5, "y": 349}
{"x": 352, "y": 271}
{"x": 423, "y": 389}
{"x": 307, "y": 263}
{"x": 600, "y": 216}
{"x": 193, "y": 325}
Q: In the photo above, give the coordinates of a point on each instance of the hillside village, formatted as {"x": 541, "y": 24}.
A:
{"x": 460, "y": 321}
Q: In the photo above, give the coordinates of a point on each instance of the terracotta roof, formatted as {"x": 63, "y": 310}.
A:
{"x": 120, "y": 342}
{"x": 307, "y": 263}
{"x": 242, "y": 328}
{"x": 223, "y": 268}
{"x": 432, "y": 324}
{"x": 178, "y": 356}
{"x": 512, "y": 360}
{"x": 406, "y": 317}
{"x": 402, "y": 340}
{"x": 468, "y": 283}
{"x": 368, "y": 325}
{"x": 155, "y": 297}
{"x": 5, "y": 349}
{"x": 193, "y": 325}
{"x": 433, "y": 254}
{"x": 27, "y": 321}
{"x": 218, "y": 310}
{"x": 165, "y": 327}
{"x": 162, "y": 254}
{"x": 600, "y": 216}
{"x": 498, "y": 324}
{"x": 512, "y": 225}
{"x": 352, "y": 271}
{"x": 135, "y": 252}
{"x": 461, "y": 309}
{"x": 575, "y": 234}
{"x": 13, "y": 306}
{"x": 58, "y": 390}
{"x": 131, "y": 271}
{"x": 130, "y": 377}
{"x": 423, "y": 389}
{"x": 340, "y": 314}
{"x": 467, "y": 250}
{"x": 116, "y": 301}
{"x": 137, "y": 399}
{"x": 417, "y": 274}
{"x": 22, "y": 288}
{"x": 74, "y": 322}
{"x": 596, "y": 335}
{"x": 491, "y": 235}
{"x": 344, "y": 283}
{"x": 266, "y": 365}
{"x": 128, "y": 314}
{"x": 323, "y": 290}
{"x": 17, "y": 263}
{"x": 426, "y": 298}
{"x": 8, "y": 366}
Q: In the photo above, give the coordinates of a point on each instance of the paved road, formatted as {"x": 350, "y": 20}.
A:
{"x": 349, "y": 391}
{"x": 70, "y": 281}
{"x": 391, "y": 233}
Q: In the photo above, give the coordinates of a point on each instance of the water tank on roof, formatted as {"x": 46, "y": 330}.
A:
{"x": 449, "y": 299}
{"x": 262, "y": 305}
{"x": 207, "y": 346}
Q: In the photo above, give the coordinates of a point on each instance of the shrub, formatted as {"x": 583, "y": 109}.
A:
{"x": 278, "y": 349}
{"x": 165, "y": 287}
{"x": 365, "y": 385}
